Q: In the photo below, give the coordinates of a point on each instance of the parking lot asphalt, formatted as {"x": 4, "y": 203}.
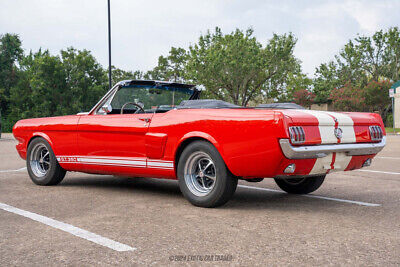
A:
{"x": 354, "y": 219}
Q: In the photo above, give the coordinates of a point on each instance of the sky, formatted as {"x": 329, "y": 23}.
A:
{"x": 144, "y": 30}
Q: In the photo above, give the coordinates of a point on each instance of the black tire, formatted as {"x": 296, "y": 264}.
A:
{"x": 222, "y": 187}
{"x": 54, "y": 173}
{"x": 303, "y": 185}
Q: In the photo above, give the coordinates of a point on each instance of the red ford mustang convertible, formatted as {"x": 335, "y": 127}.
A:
{"x": 162, "y": 129}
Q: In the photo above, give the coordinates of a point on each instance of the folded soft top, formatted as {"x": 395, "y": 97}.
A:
{"x": 205, "y": 103}
{"x": 280, "y": 106}
{"x": 213, "y": 103}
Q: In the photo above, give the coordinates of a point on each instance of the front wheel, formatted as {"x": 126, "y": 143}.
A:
{"x": 42, "y": 164}
{"x": 302, "y": 185}
{"x": 204, "y": 179}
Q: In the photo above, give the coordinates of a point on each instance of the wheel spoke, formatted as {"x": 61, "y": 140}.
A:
{"x": 199, "y": 165}
{"x": 208, "y": 165}
{"x": 211, "y": 177}
{"x": 203, "y": 182}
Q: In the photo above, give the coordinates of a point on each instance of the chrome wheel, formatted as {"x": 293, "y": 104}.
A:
{"x": 40, "y": 160}
{"x": 200, "y": 173}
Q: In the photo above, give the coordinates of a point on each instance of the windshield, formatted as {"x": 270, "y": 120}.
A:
{"x": 150, "y": 98}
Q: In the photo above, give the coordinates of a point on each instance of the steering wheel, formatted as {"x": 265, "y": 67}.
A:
{"x": 132, "y": 103}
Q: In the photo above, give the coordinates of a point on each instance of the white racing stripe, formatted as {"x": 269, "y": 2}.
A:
{"x": 346, "y": 123}
{"x": 18, "y": 170}
{"x": 326, "y": 125}
{"x": 103, "y": 241}
{"x": 341, "y": 162}
{"x": 322, "y": 165}
{"x": 315, "y": 196}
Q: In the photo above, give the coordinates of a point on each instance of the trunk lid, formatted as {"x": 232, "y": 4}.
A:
{"x": 326, "y": 127}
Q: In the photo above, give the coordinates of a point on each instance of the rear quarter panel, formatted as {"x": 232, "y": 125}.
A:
{"x": 247, "y": 139}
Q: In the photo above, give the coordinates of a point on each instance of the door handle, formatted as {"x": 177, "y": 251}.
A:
{"x": 147, "y": 120}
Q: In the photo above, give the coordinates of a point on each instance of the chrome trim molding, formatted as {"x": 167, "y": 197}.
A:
{"x": 320, "y": 151}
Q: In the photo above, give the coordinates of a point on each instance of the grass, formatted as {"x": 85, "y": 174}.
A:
{"x": 390, "y": 130}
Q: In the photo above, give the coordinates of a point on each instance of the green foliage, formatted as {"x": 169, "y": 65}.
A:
{"x": 50, "y": 85}
{"x": 348, "y": 98}
{"x": 170, "y": 68}
{"x": 371, "y": 98}
{"x": 237, "y": 68}
{"x": 10, "y": 53}
{"x": 118, "y": 75}
{"x": 303, "y": 97}
{"x": 85, "y": 79}
{"x": 362, "y": 60}
{"x": 234, "y": 67}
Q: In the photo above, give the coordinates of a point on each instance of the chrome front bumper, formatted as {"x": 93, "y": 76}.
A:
{"x": 320, "y": 151}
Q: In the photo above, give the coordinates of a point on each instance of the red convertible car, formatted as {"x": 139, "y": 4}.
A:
{"x": 162, "y": 129}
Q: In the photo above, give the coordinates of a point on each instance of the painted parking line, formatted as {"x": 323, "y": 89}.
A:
{"x": 395, "y": 173}
{"x": 387, "y": 158}
{"x": 315, "y": 196}
{"x": 95, "y": 238}
{"x": 18, "y": 170}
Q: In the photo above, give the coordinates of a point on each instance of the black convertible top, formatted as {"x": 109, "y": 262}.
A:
{"x": 279, "y": 106}
{"x": 205, "y": 103}
{"x": 213, "y": 103}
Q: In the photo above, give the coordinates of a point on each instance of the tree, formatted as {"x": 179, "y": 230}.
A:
{"x": 303, "y": 97}
{"x": 236, "y": 67}
{"x": 348, "y": 98}
{"x": 121, "y": 75}
{"x": 85, "y": 78}
{"x": 326, "y": 79}
{"x": 42, "y": 88}
{"x": 361, "y": 60}
{"x": 171, "y": 67}
{"x": 10, "y": 53}
{"x": 377, "y": 98}
{"x": 392, "y": 54}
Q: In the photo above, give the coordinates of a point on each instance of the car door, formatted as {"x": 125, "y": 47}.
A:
{"x": 112, "y": 143}
{"x": 112, "y": 138}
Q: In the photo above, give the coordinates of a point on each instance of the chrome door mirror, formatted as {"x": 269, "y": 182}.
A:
{"x": 105, "y": 109}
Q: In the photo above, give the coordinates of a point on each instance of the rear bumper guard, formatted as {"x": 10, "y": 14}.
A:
{"x": 320, "y": 151}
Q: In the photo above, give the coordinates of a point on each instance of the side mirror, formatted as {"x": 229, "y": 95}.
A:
{"x": 105, "y": 109}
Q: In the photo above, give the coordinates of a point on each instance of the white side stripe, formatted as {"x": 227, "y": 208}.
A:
{"x": 103, "y": 241}
{"x": 118, "y": 161}
{"x": 113, "y": 161}
{"x": 160, "y": 164}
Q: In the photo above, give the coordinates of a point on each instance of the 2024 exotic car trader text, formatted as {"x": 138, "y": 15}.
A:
{"x": 162, "y": 129}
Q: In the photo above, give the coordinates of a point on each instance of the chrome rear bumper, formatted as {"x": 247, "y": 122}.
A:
{"x": 320, "y": 151}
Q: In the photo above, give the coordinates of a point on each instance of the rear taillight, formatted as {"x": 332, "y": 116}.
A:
{"x": 297, "y": 135}
{"x": 376, "y": 133}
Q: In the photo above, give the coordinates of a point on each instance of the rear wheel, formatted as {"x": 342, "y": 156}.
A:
{"x": 204, "y": 179}
{"x": 42, "y": 165}
{"x": 302, "y": 185}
